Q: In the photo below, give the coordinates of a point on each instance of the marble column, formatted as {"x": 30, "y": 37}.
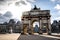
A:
{"x": 40, "y": 25}
{"x": 29, "y": 24}
{"x": 32, "y": 32}
{"x": 29, "y": 28}
{"x": 22, "y": 28}
{"x": 49, "y": 27}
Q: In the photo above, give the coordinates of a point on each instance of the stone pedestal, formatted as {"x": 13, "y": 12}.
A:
{"x": 25, "y": 30}
{"x": 32, "y": 32}
{"x": 29, "y": 27}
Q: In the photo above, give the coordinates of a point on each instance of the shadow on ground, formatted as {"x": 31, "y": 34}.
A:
{"x": 33, "y": 37}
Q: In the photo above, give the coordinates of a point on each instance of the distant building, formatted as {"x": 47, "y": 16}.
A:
{"x": 55, "y": 27}
{"x": 10, "y": 27}
{"x": 3, "y": 28}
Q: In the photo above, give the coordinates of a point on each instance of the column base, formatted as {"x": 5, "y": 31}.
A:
{"x": 40, "y": 32}
{"x": 24, "y": 33}
{"x": 49, "y": 33}
{"x": 31, "y": 33}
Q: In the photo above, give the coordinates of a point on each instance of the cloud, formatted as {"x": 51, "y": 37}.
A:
{"x": 8, "y": 14}
{"x": 20, "y": 2}
{"x": 13, "y": 8}
{"x": 57, "y": 18}
{"x": 0, "y": 14}
{"x": 58, "y": 1}
{"x": 31, "y": 0}
{"x": 5, "y": 17}
{"x": 14, "y": 1}
{"x": 57, "y": 7}
{"x": 53, "y": 0}
{"x": 4, "y": 4}
{"x": 23, "y": 2}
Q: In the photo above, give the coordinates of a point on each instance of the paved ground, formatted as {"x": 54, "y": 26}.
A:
{"x": 56, "y": 34}
{"x": 16, "y": 36}
{"x": 34, "y": 37}
{"x": 9, "y": 36}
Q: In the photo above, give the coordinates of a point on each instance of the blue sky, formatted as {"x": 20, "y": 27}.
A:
{"x": 49, "y": 5}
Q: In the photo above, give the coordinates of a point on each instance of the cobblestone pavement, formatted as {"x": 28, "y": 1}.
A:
{"x": 12, "y": 36}
{"x": 34, "y": 37}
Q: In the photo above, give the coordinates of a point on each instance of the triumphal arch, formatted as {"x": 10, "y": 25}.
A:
{"x": 36, "y": 14}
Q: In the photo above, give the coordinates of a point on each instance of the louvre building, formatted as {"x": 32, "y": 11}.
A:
{"x": 55, "y": 26}
{"x": 11, "y": 27}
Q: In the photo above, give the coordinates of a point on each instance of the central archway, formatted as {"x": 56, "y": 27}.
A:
{"x": 36, "y": 27}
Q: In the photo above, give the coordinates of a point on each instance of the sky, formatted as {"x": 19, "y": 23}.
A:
{"x": 14, "y": 8}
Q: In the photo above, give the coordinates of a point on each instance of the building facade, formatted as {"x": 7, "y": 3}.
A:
{"x": 10, "y": 27}
{"x": 55, "y": 27}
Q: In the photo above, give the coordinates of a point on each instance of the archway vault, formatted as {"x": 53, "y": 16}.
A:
{"x": 35, "y": 23}
{"x": 34, "y": 20}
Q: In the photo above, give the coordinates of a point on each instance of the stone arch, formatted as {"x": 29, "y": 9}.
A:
{"x": 42, "y": 16}
{"x": 34, "y": 21}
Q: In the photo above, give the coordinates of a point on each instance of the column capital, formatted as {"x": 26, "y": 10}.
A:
{"x": 22, "y": 19}
{"x": 48, "y": 17}
{"x": 29, "y": 18}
